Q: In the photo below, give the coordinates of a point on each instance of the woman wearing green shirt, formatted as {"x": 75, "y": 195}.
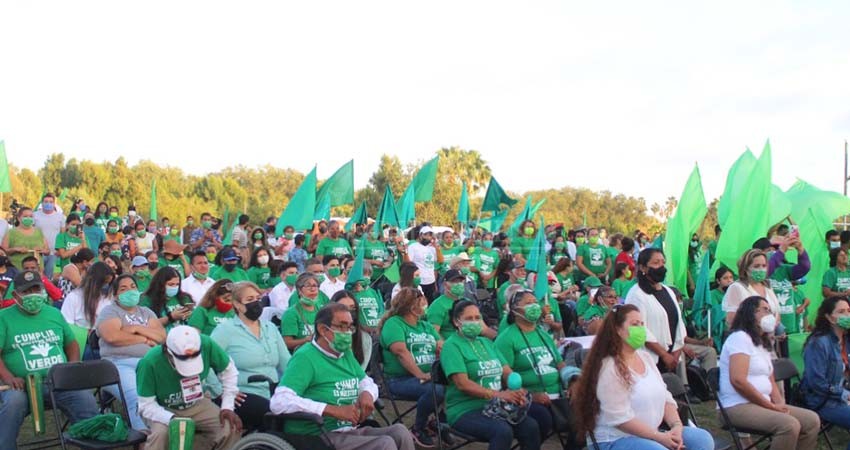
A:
{"x": 259, "y": 272}
{"x": 25, "y": 239}
{"x": 477, "y": 371}
{"x": 604, "y": 299}
{"x": 410, "y": 345}
{"x": 165, "y": 299}
{"x": 532, "y": 353}
{"x": 297, "y": 323}
{"x": 70, "y": 241}
{"x": 215, "y": 307}
{"x": 255, "y": 347}
{"x": 836, "y": 280}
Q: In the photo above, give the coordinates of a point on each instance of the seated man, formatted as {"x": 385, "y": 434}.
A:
{"x": 325, "y": 379}
{"x": 170, "y": 381}
{"x": 33, "y": 337}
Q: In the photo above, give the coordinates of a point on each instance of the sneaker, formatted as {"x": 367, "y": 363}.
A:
{"x": 446, "y": 436}
{"x": 422, "y": 439}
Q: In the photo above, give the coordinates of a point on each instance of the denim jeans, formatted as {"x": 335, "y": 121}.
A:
{"x": 837, "y": 415}
{"x": 498, "y": 433}
{"x": 127, "y": 372}
{"x": 543, "y": 416}
{"x": 49, "y": 266}
{"x": 14, "y": 408}
{"x": 409, "y": 388}
{"x": 695, "y": 439}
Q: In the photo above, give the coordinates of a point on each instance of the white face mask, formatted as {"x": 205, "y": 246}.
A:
{"x": 263, "y": 259}
{"x": 593, "y": 292}
{"x": 768, "y": 323}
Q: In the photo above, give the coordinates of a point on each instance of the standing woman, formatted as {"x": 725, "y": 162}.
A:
{"x": 24, "y": 239}
{"x": 752, "y": 281}
{"x": 215, "y": 307}
{"x": 71, "y": 241}
{"x": 258, "y": 269}
{"x": 621, "y": 398}
{"x": 164, "y": 298}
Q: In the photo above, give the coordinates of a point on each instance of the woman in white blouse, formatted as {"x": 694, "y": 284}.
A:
{"x": 752, "y": 281}
{"x": 748, "y": 391}
{"x": 82, "y": 306}
{"x": 621, "y": 398}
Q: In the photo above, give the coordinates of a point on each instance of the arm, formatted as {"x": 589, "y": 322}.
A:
{"x": 607, "y": 266}
{"x": 739, "y": 366}
{"x": 228, "y": 377}
{"x": 292, "y": 343}
{"x": 803, "y": 266}
{"x": 154, "y": 331}
{"x": 73, "y": 276}
{"x": 582, "y": 267}
{"x": 110, "y": 330}
{"x": 72, "y": 351}
{"x": 150, "y": 409}
{"x": 817, "y": 358}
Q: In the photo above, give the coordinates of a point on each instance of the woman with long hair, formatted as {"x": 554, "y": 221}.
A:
{"x": 166, "y": 300}
{"x": 748, "y": 390}
{"x": 752, "y": 281}
{"x": 361, "y": 342}
{"x": 408, "y": 274}
{"x": 215, "y": 307}
{"x": 83, "y": 304}
{"x": 621, "y": 398}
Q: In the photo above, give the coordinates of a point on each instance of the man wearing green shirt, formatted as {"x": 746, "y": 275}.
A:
{"x": 516, "y": 277}
{"x": 592, "y": 258}
{"x": 325, "y": 379}
{"x": 486, "y": 262}
{"x": 333, "y": 243}
{"x": 170, "y": 380}
{"x": 33, "y": 337}
{"x": 377, "y": 255}
{"x": 369, "y": 301}
{"x": 439, "y": 313}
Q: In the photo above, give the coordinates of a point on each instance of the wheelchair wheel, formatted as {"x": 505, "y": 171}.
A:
{"x": 262, "y": 441}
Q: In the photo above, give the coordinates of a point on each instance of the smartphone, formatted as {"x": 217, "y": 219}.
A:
{"x": 794, "y": 231}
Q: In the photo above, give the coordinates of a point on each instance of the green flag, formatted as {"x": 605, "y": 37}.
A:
{"x": 153, "y": 215}
{"x": 524, "y": 215}
{"x": 340, "y": 186}
{"x": 356, "y": 272}
{"x": 690, "y": 213}
{"x": 538, "y": 250}
{"x": 228, "y": 237}
{"x": 299, "y": 211}
{"x": 387, "y": 213}
{"x": 494, "y": 223}
{"x": 780, "y": 206}
{"x": 5, "y": 180}
{"x": 541, "y": 283}
{"x": 463, "y": 206}
{"x": 424, "y": 179}
{"x": 63, "y": 195}
{"x": 323, "y": 207}
{"x": 391, "y": 273}
{"x": 359, "y": 217}
{"x": 702, "y": 294}
{"x": 225, "y": 218}
{"x": 735, "y": 180}
{"x": 747, "y": 220}
{"x": 535, "y": 208}
{"x": 406, "y": 206}
{"x": 495, "y": 196}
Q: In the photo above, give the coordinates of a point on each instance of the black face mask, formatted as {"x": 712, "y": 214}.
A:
{"x": 656, "y": 274}
{"x": 425, "y": 241}
{"x": 153, "y": 265}
{"x": 253, "y": 310}
{"x": 89, "y": 221}
{"x": 229, "y": 267}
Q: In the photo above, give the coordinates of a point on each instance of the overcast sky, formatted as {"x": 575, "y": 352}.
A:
{"x": 624, "y": 96}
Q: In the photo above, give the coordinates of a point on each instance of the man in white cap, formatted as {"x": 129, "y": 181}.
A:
{"x": 170, "y": 380}
{"x": 426, "y": 254}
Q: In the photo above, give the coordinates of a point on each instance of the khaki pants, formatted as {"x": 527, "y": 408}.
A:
{"x": 209, "y": 432}
{"x": 367, "y": 438}
{"x": 707, "y": 356}
{"x": 797, "y": 429}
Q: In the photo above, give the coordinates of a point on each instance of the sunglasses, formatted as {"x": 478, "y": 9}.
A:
{"x": 185, "y": 357}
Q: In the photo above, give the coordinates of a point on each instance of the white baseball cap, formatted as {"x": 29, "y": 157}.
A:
{"x": 184, "y": 344}
{"x": 460, "y": 257}
{"x": 425, "y": 229}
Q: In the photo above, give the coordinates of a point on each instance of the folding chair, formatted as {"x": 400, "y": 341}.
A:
{"x": 376, "y": 366}
{"x": 714, "y": 384}
{"x": 88, "y": 375}
{"x": 439, "y": 377}
{"x": 680, "y": 393}
{"x": 786, "y": 371}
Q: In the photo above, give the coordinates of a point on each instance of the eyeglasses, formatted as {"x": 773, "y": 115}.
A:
{"x": 344, "y": 326}
{"x": 311, "y": 286}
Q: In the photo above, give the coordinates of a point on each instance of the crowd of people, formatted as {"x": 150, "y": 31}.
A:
{"x": 189, "y": 314}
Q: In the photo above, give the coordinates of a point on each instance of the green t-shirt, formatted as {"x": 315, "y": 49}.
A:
{"x": 205, "y": 320}
{"x": 376, "y": 250}
{"x": 238, "y": 274}
{"x": 487, "y": 261}
{"x": 31, "y": 344}
{"x": 65, "y": 241}
{"x": 18, "y": 239}
{"x": 594, "y": 311}
{"x": 156, "y": 377}
{"x": 420, "y": 340}
{"x": 261, "y": 276}
{"x": 337, "y": 247}
{"x": 480, "y": 360}
{"x": 538, "y": 357}
{"x": 792, "y": 321}
{"x": 439, "y": 314}
{"x": 298, "y": 322}
{"x": 314, "y": 375}
{"x": 371, "y": 306}
{"x": 143, "y": 280}
{"x": 612, "y": 253}
{"x": 556, "y": 256}
{"x": 521, "y": 245}
{"x": 837, "y": 280}
{"x": 448, "y": 254}
{"x": 780, "y": 283}
{"x": 593, "y": 258}
{"x": 566, "y": 281}
{"x": 582, "y": 304}
{"x": 621, "y": 287}
{"x": 171, "y": 304}
{"x": 176, "y": 264}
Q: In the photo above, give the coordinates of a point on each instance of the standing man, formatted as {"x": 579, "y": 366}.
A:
{"x": 186, "y": 236}
{"x": 205, "y": 236}
{"x": 239, "y": 238}
{"x": 426, "y": 254}
{"x": 50, "y": 222}
{"x": 333, "y": 243}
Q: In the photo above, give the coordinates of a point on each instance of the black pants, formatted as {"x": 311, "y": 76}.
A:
{"x": 251, "y": 411}
{"x": 430, "y": 291}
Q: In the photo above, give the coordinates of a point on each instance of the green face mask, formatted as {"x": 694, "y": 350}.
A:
{"x": 115, "y": 253}
{"x": 27, "y": 222}
{"x": 334, "y": 271}
{"x": 32, "y": 303}
{"x": 141, "y": 233}
{"x": 342, "y": 341}
{"x": 210, "y": 257}
{"x": 457, "y": 289}
{"x": 580, "y": 240}
{"x": 532, "y": 312}
{"x": 288, "y": 236}
{"x": 529, "y": 231}
{"x": 637, "y": 337}
{"x": 290, "y": 279}
{"x": 113, "y": 214}
{"x": 189, "y": 223}
{"x": 112, "y": 230}
{"x": 560, "y": 245}
{"x": 844, "y": 322}
{"x": 199, "y": 275}
{"x": 464, "y": 270}
{"x": 758, "y": 275}
{"x": 307, "y": 302}
{"x": 320, "y": 279}
{"x": 72, "y": 229}
{"x": 593, "y": 240}
{"x": 258, "y": 236}
{"x": 471, "y": 329}
{"x": 207, "y": 224}
{"x": 129, "y": 299}
{"x": 417, "y": 281}
{"x": 487, "y": 244}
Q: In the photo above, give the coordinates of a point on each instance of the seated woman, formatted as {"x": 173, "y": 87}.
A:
{"x": 408, "y": 274}
{"x": 127, "y": 331}
{"x": 477, "y": 371}
{"x": 165, "y": 299}
{"x": 410, "y": 345}
{"x": 256, "y": 348}
{"x": 748, "y": 391}
{"x": 621, "y": 398}
{"x": 532, "y": 353}
{"x": 215, "y": 307}
{"x": 297, "y": 323}
{"x": 361, "y": 343}
{"x": 82, "y": 306}
{"x": 604, "y": 299}
{"x": 824, "y": 388}
{"x": 73, "y": 272}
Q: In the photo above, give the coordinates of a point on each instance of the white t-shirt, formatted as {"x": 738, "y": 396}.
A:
{"x": 645, "y": 400}
{"x": 195, "y": 287}
{"x": 397, "y": 289}
{"x": 330, "y": 287}
{"x": 279, "y": 296}
{"x": 74, "y": 312}
{"x": 425, "y": 258}
{"x": 761, "y": 366}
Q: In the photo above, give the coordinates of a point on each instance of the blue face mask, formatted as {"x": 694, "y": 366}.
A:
{"x": 171, "y": 291}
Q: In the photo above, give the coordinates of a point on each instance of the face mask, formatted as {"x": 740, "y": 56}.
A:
{"x": 27, "y": 222}
{"x": 637, "y": 337}
{"x": 258, "y": 236}
{"x": 210, "y": 257}
{"x": 471, "y": 328}
{"x": 464, "y": 270}
{"x": 48, "y": 207}
{"x": 32, "y": 303}
{"x": 342, "y": 341}
{"x": 656, "y": 274}
{"x": 288, "y": 236}
{"x": 694, "y": 244}
{"x": 487, "y": 244}
{"x": 175, "y": 232}
{"x": 112, "y": 230}
{"x": 529, "y": 231}
{"x": 141, "y": 233}
{"x": 834, "y": 244}
{"x": 131, "y": 213}
{"x": 263, "y": 259}
{"x": 425, "y": 241}
{"x": 113, "y": 214}
{"x": 290, "y": 279}
{"x": 768, "y": 323}
{"x": 223, "y": 306}
{"x": 152, "y": 229}
{"x": 89, "y": 221}
{"x": 129, "y": 299}
{"x": 628, "y": 273}
{"x": 449, "y": 245}
{"x": 206, "y": 224}
{"x": 457, "y": 289}
{"x": 199, "y": 276}
{"x": 334, "y": 272}
{"x": 307, "y": 302}
{"x": 320, "y": 279}
{"x": 253, "y": 310}
{"x": 153, "y": 265}
{"x": 593, "y": 240}
{"x": 229, "y": 266}
{"x": 559, "y": 245}
{"x": 758, "y": 275}
{"x": 532, "y": 312}
{"x": 72, "y": 229}
{"x": 470, "y": 250}
{"x": 171, "y": 291}
{"x": 844, "y": 322}
{"x": 189, "y": 223}
{"x": 417, "y": 281}
{"x": 580, "y": 240}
